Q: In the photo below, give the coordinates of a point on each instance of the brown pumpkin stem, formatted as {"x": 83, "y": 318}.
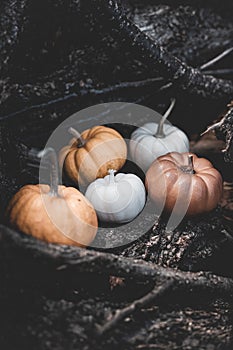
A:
{"x": 78, "y": 136}
{"x": 54, "y": 179}
{"x": 160, "y": 132}
{"x": 189, "y": 169}
{"x": 111, "y": 176}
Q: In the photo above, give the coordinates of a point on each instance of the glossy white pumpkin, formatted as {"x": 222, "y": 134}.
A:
{"x": 153, "y": 140}
{"x": 117, "y": 198}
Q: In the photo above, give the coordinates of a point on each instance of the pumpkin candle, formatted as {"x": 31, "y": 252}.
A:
{"x": 56, "y": 214}
{"x": 153, "y": 140}
{"x": 92, "y": 153}
{"x": 117, "y": 198}
{"x": 183, "y": 177}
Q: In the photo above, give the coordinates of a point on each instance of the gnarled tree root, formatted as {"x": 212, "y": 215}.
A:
{"x": 224, "y": 131}
{"x": 171, "y": 68}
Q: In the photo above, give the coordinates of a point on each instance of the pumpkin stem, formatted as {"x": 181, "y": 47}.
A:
{"x": 189, "y": 169}
{"x": 78, "y": 136}
{"x": 160, "y": 132}
{"x": 191, "y": 166}
{"x": 49, "y": 152}
{"x": 111, "y": 176}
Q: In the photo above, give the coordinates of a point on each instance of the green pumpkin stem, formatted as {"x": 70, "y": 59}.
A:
{"x": 54, "y": 176}
{"x": 111, "y": 176}
{"x": 160, "y": 131}
{"x": 78, "y": 136}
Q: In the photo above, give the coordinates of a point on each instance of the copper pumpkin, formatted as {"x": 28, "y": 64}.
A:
{"x": 184, "y": 182}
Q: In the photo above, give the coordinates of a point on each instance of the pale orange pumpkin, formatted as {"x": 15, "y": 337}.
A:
{"x": 182, "y": 181}
{"x": 55, "y": 214}
{"x": 91, "y": 154}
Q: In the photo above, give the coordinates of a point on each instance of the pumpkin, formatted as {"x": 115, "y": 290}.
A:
{"x": 55, "y": 214}
{"x": 91, "y": 154}
{"x": 153, "y": 140}
{"x": 117, "y": 198}
{"x": 184, "y": 182}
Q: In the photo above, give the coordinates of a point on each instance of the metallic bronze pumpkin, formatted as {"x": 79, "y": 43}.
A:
{"x": 184, "y": 182}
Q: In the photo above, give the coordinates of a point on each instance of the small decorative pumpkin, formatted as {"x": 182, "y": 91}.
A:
{"x": 55, "y": 214}
{"x": 91, "y": 154}
{"x": 153, "y": 140}
{"x": 117, "y": 198}
{"x": 182, "y": 181}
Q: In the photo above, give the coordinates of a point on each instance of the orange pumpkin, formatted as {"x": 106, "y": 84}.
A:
{"x": 55, "y": 214}
{"x": 91, "y": 154}
{"x": 182, "y": 181}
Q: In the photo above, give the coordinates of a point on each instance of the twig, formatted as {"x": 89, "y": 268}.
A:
{"x": 125, "y": 85}
{"x": 134, "y": 306}
{"x": 216, "y": 59}
{"x": 224, "y": 127}
{"x": 212, "y": 127}
{"x": 147, "y": 346}
{"x": 226, "y": 71}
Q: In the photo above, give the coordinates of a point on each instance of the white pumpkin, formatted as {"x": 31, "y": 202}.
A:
{"x": 117, "y": 198}
{"x": 153, "y": 140}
